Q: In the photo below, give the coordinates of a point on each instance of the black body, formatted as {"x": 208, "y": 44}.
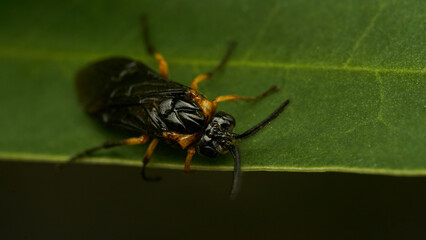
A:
{"x": 126, "y": 93}
{"x": 218, "y": 136}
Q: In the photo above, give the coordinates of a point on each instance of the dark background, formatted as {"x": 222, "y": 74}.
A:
{"x": 111, "y": 202}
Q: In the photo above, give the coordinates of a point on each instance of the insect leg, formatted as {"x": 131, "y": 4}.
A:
{"x": 146, "y": 159}
{"x": 162, "y": 64}
{"x": 202, "y": 77}
{"x": 130, "y": 141}
{"x": 236, "y": 97}
{"x": 191, "y": 152}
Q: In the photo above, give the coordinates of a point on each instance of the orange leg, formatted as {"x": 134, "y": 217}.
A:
{"x": 191, "y": 152}
{"x": 202, "y": 77}
{"x": 162, "y": 64}
{"x": 146, "y": 159}
{"x": 131, "y": 141}
{"x": 236, "y": 97}
{"x": 138, "y": 140}
{"x": 198, "y": 79}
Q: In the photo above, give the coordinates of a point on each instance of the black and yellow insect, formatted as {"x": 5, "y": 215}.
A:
{"x": 126, "y": 93}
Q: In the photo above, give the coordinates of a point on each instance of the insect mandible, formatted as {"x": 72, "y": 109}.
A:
{"x": 126, "y": 93}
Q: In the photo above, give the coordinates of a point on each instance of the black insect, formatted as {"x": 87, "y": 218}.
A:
{"x": 126, "y": 93}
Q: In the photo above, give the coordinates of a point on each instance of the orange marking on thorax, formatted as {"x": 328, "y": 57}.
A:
{"x": 208, "y": 107}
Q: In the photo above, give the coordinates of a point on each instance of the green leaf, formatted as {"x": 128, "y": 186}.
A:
{"x": 354, "y": 71}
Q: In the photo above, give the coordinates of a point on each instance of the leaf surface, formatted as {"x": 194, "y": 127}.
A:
{"x": 354, "y": 71}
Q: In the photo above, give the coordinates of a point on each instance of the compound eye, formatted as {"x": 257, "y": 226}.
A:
{"x": 208, "y": 151}
{"x": 224, "y": 125}
{"x": 227, "y": 123}
{"x": 229, "y": 119}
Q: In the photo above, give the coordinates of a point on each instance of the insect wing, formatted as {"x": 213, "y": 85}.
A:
{"x": 126, "y": 93}
{"x": 121, "y": 81}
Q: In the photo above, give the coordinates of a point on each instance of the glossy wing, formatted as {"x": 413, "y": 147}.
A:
{"x": 121, "y": 81}
{"x": 126, "y": 93}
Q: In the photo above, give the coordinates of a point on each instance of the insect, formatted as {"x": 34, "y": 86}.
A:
{"x": 126, "y": 93}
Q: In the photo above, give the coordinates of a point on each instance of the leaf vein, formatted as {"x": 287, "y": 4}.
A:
{"x": 364, "y": 34}
{"x": 13, "y": 53}
{"x": 272, "y": 13}
{"x": 381, "y": 96}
